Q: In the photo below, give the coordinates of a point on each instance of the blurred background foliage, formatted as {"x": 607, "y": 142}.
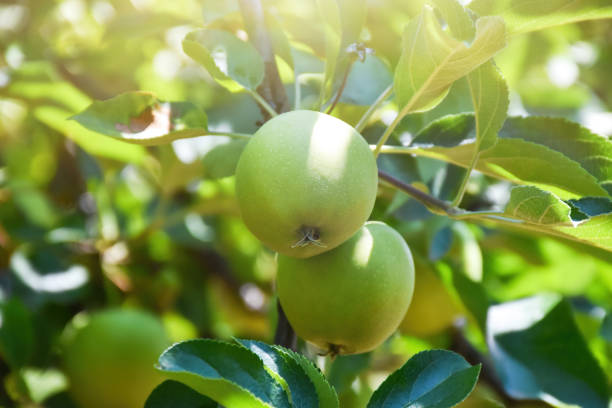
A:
{"x": 89, "y": 223}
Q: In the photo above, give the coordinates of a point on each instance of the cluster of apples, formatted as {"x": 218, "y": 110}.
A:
{"x": 306, "y": 184}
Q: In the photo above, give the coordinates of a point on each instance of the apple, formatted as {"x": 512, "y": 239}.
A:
{"x": 305, "y": 183}
{"x": 352, "y": 298}
{"x": 109, "y": 358}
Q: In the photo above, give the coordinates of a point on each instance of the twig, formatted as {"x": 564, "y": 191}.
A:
{"x": 377, "y": 103}
{"x": 341, "y": 89}
{"x": 429, "y": 201}
{"x": 271, "y": 89}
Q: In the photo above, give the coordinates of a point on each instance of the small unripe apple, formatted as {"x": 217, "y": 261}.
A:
{"x": 109, "y": 358}
{"x": 352, "y": 298}
{"x": 305, "y": 183}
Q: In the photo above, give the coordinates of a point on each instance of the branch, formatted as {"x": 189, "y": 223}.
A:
{"x": 430, "y": 202}
{"x": 271, "y": 89}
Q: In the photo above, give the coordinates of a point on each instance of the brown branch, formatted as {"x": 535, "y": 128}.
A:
{"x": 429, "y": 201}
{"x": 341, "y": 89}
{"x": 272, "y": 88}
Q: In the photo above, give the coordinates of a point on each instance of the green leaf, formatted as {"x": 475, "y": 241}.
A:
{"x": 92, "y": 142}
{"x": 139, "y": 118}
{"x": 458, "y": 20}
{"x": 302, "y": 390}
{"x": 343, "y": 21}
{"x": 173, "y": 394}
{"x": 432, "y": 60}
{"x": 434, "y": 378}
{"x": 523, "y": 16}
{"x": 326, "y": 393}
{"x": 227, "y": 59}
{"x": 490, "y": 98}
{"x": 539, "y": 353}
{"x": 537, "y": 206}
{"x": 593, "y": 152}
{"x": 221, "y": 160}
{"x": 16, "y": 333}
{"x": 366, "y": 81}
{"x": 230, "y": 374}
{"x": 452, "y": 139}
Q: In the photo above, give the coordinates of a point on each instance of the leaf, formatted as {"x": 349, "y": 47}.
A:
{"x": 227, "y": 59}
{"x": 221, "y": 160}
{"x": 434, "y": 378}
{"x": 173, "y": 394}
{"x": 440, "y": 243}
{"x": 490, "y": 98}
{"x": 458, "y": 20}
{"x": 523, "y": 16}
{"x": 16, "y": 333}
{"x": 92, "y": 142}
{"x": 327, "y": 395}
{"x": 230, "y": 374}
{"x": 139, "y": 118}
{"x": 537, "y": 206}
{"x": 539, "y": 353}
{"x": 432, "y": 60}
{"x": 366, "y": 81}
{"x": 593, "y": 152}
{"x": 452, "y": 139}
{"x": 302, "y": 390}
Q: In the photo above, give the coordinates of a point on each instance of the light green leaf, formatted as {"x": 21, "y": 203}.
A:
{"x": 539, "y": 353}
{"x": 139, "y": 118}
{"x": 221, "y": 160}
{"x": 459, "y": 22}
{"x": 230, "y": 374}
{"x": 452, "y": 139}
{"x": 490, "y": 99}
{"x": 522, "y": 16}
{"x": 433, "y": 378}
{"x": 537, "y": 206}
{"x": 432, "y": 59}
{"x": 92, "y": 142}
{"x": 228, "y": 59}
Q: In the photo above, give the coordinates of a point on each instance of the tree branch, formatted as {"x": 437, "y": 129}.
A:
{"x": 429, "y": 201}
{"x": 271, "y": 89}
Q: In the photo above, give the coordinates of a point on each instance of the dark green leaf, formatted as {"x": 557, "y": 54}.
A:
{"x": 173, "y": 394}
{"x": 434, "y": 378}
{"x": 138, "y": 117}
{"x": 606, "y": 328}
{"x": 16, "y": 333}
{"x": 540, "y": 354}
{"x": 592, "y": 206}
{"x": 230, "y": 374}
{"x": 228, "y": 59}
{"x": 441, "y": 243}
{"x": 302, "y": 390}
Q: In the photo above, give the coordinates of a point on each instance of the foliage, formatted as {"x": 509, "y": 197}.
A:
{"x": 121, "y": 124}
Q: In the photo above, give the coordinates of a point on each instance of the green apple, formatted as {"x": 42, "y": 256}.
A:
{"x": 352, "y": 298}
{"x": 306, "y": 182}
{"x": 433, "y": 309}
{"x": 109, "y": 358}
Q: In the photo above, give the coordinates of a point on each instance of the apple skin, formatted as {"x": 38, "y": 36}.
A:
{"x": 433, "y": 310}
{"x": 350, "y": 299}
{"x": 305, "y": 170}
{"x": 110, "y": 358}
